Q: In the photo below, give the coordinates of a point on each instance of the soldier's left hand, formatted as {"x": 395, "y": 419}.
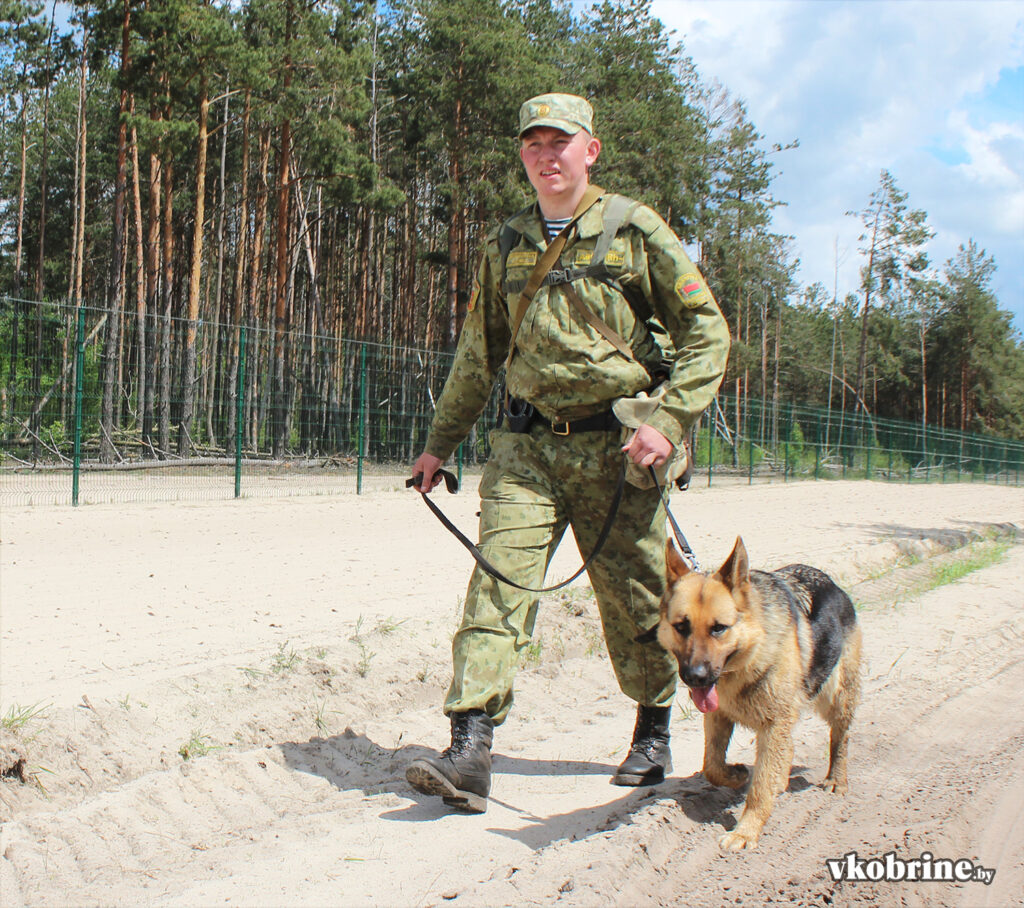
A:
{"x": 648, "y": 447}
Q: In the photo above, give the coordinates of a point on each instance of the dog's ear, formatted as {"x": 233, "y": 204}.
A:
{"x": 675, "y": 567}
{"x": 735, "y": 573}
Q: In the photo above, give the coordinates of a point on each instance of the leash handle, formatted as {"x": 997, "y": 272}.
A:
{"x": 684, "y": 546}
{"x": 452, "y": 484}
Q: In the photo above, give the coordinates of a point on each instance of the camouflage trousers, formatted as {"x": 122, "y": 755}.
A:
{"x": 534, "y": 486}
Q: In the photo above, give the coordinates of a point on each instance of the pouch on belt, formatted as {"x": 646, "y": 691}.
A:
{"x": 633, "y": 412}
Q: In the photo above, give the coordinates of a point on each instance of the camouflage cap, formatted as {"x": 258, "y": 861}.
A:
{"x": 569, "y": 113}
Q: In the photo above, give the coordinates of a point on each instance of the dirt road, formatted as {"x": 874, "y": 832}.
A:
{"x": 226, "y": 696}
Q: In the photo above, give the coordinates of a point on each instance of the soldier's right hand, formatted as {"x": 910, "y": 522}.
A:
{"x": 428, "y": 465}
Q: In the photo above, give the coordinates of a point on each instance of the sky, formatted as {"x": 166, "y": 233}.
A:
{"x": 930, "y": 90}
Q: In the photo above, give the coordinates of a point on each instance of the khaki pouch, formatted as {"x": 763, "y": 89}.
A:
{"x": 633, "y": 412}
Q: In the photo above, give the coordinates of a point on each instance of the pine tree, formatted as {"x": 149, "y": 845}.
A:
{"x": 893, "y": 237}
{"x": 981, "y": 353}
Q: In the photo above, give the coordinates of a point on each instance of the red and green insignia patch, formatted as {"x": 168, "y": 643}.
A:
{"x": 690, "y": 290}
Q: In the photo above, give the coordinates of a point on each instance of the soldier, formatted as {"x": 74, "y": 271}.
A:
{"x": 562, "y": 467}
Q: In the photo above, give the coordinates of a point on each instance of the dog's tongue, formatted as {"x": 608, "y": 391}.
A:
{"x": 706, "y": 698}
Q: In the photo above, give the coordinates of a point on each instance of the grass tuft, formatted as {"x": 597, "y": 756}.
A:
{"x": 17, "y": 717}
{"x": 198, "y": 745}
{"x": 285, "y": 659}
{"x": 975, "y": 557}
{"x": 319, "y": 707}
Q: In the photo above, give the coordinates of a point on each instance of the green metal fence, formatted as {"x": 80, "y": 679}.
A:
{"x": 790, "y": 441}
{"x": 263, "y": 413}
{"x": 269, "y": 414}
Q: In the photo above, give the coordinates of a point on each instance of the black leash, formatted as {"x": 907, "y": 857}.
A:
{"x": 651, "y": 634}
{"x": 452, "y": 484}
{"x": 684, "y": 546}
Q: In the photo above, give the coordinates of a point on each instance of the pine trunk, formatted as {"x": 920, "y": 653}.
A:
{"x": 140, "y": 285}
{"x": 239, "y": 289}
{"x": 280, "y": 395}
{"x": 188, "y": 379}
{"x": 164, "y": 415}
{"x": 152, "y": 290}
{"x": 115, "y": 303}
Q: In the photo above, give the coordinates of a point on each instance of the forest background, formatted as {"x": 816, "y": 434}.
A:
{"x": 328, "y": 170}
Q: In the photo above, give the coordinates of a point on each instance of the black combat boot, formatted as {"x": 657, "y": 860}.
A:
{"x": 461, "y": 775}
{"x": 649, "y": 757}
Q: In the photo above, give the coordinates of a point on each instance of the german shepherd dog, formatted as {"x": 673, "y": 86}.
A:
{"x": 756, "y": 648}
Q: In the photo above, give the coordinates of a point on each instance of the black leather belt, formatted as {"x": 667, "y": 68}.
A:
{"x": 599, "y": 422}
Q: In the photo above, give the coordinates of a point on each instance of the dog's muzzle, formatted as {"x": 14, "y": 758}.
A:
{"x": 700, "y": 675}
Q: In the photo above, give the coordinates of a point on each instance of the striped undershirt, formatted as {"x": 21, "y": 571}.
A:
{"x": 555, "y": 226}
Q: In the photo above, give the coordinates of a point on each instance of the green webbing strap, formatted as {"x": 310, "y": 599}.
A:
{"x": 550, "y": 256}
{"x": 617, "y": 212}
{"x": 598, "y": 324}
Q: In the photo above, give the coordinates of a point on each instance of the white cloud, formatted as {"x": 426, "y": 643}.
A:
{"x": 902, "y": 86}
{"x": 995, "y": 157}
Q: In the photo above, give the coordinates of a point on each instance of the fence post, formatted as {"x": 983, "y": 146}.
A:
{"x": 750, "y": 468}
{"x": 362, "y": 420}
{"x": 711, "y": 450}
{"x": 239, "y": 411}
{"x": 79, "y": 369}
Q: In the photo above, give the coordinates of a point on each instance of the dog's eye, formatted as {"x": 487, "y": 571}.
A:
{"x": 718, "y": 629}
{"x": 682, "y": 627}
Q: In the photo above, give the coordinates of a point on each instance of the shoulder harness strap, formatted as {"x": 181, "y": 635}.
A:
{"x": 617, "y": 213}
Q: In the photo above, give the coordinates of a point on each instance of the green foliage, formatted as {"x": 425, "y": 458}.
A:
{"x": 977, "y": 348}
{"x": 628, "y": 67}
{"x": 402, "y": 120}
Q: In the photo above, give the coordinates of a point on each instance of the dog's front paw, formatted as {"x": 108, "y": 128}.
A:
{"x": 835, "y": 786}
{"x": 733, "y": 775}
{"x": 737, "y": 841}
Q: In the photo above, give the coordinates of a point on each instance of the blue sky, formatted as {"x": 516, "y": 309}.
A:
{"x": 931, "y": 90}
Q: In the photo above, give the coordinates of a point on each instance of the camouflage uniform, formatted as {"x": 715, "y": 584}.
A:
{"x": 538, "y": 483}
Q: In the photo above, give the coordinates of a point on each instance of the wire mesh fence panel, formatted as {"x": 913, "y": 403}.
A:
{"x": 790, "y": 441}
{"x": 163, "y": 408}
{"x": 201, "y": 410}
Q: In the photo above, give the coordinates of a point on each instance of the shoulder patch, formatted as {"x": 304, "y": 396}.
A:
{"x": 473, "y": 297}
{"x": 521, "y": 258}
{"x": 691, "y": 290}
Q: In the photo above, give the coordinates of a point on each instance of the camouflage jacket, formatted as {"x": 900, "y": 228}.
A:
{"x": 562, "y": 365}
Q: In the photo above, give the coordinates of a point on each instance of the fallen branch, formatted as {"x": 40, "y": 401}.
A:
{"x": 106, "y": 435}
{"x": 51, "y": 449}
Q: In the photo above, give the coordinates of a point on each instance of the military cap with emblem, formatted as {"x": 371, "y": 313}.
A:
{"x": 569, "y": 113}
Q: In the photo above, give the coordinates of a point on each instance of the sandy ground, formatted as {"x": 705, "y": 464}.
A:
{"x": 226, "y": 696}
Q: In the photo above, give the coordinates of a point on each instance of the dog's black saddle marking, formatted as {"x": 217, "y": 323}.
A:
{"x": 814, "y": 597}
